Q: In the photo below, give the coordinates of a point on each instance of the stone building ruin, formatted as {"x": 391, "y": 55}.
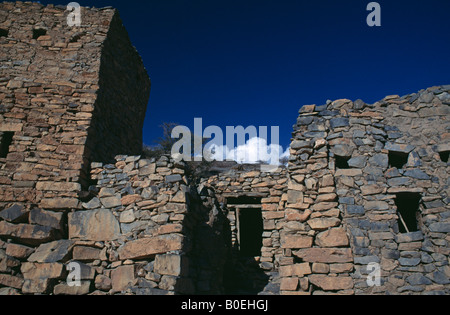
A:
{"x": 366, "y": 184}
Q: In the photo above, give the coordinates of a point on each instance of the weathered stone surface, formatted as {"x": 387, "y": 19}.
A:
{"x": 130, "y": 199}
{"x": 403, "y": 148}
{"x": 53, "y": 252}
{"x": 357, "y": 162}
{"x": 47, "y": 218}
{"x": 97, "y": 225}
{"x": 149, "y": 247}
{"x": 295, "y": 197}
{"x": 326, "y": 198}
{"x": 64, "y": 289}
{"x": 343, "y": 150}
{"x": 40, "y": 286}
{"x": 289, "y": 284}
{"x": 339, "y": 122}
{"x": 86, "y": 254}
{"x": 58, "y": 186}
{"x": 296, "y": 145}
{"x": 441, "y": 227}
{"x": 321, "y": 224}
{"x": 122, "y": 277}
{"x": 7, "y": 262}
{"x": 26, "y": 234}
{"x": 37, "y": 271}
{"x": 103, "y": 283}
{"x": 111, "y": 202}
{"x": 173, "y": 178}
{"x": 94, "y": 203}
{"x": 59, "y": 203}
{"x": 15, "y": 214}
{"x": 331, "y": 283}
{"x": 336, "y": 237}
{"x": 171, "y": 265}
{"x": 418, "y": 279}
{"x": 409, "y": 237}
{"x": 19, "y": 251}
{"x": 298, "y": 270}
{"x": 325, "y": 255}
{"x": 11, "y": 281}
{"x": 296, "y": 241}
{"x": 127, "y": 216}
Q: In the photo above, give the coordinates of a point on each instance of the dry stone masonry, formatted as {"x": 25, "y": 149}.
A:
{"x": 366, "y": 186}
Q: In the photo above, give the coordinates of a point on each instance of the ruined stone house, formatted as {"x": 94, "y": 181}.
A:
{"x": 366, "y": 191}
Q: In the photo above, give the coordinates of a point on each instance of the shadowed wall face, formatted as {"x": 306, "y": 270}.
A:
{"x": 69, "y": 96}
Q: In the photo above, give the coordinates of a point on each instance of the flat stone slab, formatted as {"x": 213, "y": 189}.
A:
{"x": 53, "y": 252}
{"x": 98, "y": 225}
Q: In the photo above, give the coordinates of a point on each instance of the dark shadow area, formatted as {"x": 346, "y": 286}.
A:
{"x": 244, "y": 200}
{"x": 243, "y": 275}
{"x": 342, "y": 162}
{"x": 38, "y": 33}
{"x": 398, "y": 159}
{"x": 5, "y": 142}
{"x": 408, "y": 211}
{"x": 251, "y": 228}
{"x": 3, "y": 32}
{"x": 444, "y": 156}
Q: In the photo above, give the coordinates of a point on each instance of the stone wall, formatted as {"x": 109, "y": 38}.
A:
{"x": 142, "y": 231}
{"x": 367, "y": 185}
{"x": 268, "y": 193}
{"x": 346, "y": 158}
{"x": 59, "y": 100}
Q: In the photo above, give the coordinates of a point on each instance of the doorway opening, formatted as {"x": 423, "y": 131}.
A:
{"x": 243, "y": 274}
{"x": 250, "y": 231}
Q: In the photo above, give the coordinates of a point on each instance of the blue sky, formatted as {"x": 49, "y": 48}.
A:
{"x": 256, "y": 62}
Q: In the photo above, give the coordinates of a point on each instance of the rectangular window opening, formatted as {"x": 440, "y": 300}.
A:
{"x": 342, "y": 162}
{"x": 5, "y": 142}
{"x": 408, "y": 211}
{"x": 3, "y": 32}
{"x": 444, "y": 156}
{"x": 398, "y": 159}
{"x": 39, "y": 32}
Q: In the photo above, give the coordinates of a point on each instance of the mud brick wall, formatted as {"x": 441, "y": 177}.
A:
{"x": 65, "y": 98}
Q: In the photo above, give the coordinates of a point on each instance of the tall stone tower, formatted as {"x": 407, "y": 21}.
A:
{"x": 68, "y": 96}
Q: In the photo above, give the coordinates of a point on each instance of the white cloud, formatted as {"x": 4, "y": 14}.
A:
{"x": 253, "y": 151}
